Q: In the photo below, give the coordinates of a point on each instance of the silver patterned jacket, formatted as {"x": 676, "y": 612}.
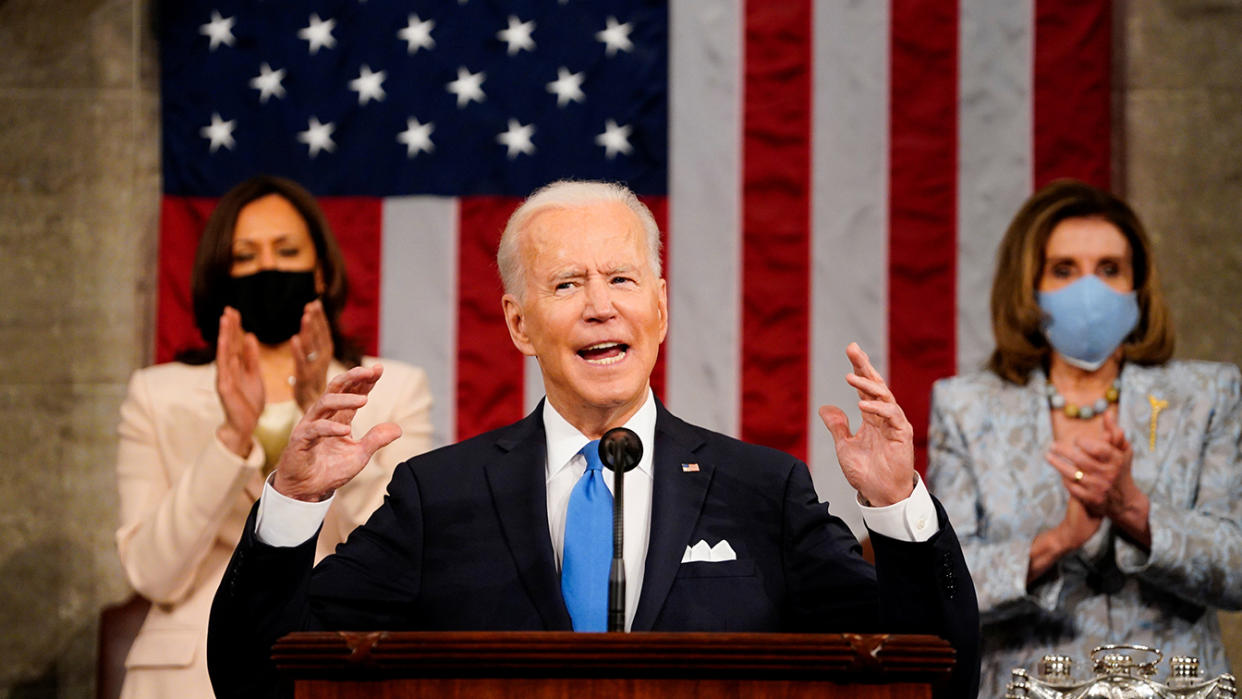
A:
{"x": 986, "y": 447}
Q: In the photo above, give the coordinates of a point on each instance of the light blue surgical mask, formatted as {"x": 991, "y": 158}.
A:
{"x": 1087, "y": 320}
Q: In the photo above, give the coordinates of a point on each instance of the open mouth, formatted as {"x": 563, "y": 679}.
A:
{"x": 604, "y": 352}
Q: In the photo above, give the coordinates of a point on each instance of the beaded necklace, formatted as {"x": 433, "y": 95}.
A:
{"x": 1056, "y": 401}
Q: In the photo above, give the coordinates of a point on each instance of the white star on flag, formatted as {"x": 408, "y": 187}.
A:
{"x": 416, "y": 137}
{"x": 615, "y": 139}
{"x": 318, "y": 136}
{"x": 368, "y": 85}
{"x": 615, "y": 36}
{"x": 219, "y": 29}
{"x": 267, "y": 82}
{"x": 468, "y": 86}
{"x": 517, "y": 36}
{"x": 318, "y": 33}
{"x": 220, "y": 132}
{"x": 417, "y": 34}
{"x": 517, "y": 138}
{"x": 567, "y": 87}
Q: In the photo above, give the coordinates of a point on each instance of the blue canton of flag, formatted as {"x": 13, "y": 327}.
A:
{"x": 457, "y": 98}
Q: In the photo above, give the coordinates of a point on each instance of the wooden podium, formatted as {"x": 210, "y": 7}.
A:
{"x": 533, "y": 665}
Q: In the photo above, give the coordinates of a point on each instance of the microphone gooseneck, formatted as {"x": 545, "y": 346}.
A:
{"x": 620, "y": 450}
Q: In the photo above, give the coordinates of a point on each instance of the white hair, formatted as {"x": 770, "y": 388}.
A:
{"x": 569, "y": 194}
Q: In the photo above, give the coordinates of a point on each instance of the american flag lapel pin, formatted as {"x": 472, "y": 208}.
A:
{"x": 689, "y": 468}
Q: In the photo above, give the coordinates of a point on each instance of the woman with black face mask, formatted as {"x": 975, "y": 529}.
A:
{"x": 199, "y": 436}
{"x": 1096, "y": 484}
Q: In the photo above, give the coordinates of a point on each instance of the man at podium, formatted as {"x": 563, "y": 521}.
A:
{"x": 505, "y": 531}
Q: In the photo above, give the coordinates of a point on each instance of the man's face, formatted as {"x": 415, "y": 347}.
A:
{"x": 593, "y": 312}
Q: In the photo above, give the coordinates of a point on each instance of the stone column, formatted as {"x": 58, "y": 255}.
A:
{"x": 1178, "y": 100}
{"x": 79, "y": 197}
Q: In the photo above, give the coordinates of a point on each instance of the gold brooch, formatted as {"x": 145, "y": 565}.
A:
{"x": 1156, "y": 406}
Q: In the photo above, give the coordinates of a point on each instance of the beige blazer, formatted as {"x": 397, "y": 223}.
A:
{"x": 184, "y": 498}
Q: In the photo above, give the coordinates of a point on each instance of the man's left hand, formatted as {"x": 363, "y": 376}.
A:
{"x": 878, "y": 460}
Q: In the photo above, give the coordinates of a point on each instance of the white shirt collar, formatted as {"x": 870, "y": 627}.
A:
{"x": 565, "y": 441}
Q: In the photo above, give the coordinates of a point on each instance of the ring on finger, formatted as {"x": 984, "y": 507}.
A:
{"x": 312, "y": 356}
{"x": 1078, "y": 476}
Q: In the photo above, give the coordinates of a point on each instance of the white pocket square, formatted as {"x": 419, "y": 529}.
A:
{"x": 701, "y": 552}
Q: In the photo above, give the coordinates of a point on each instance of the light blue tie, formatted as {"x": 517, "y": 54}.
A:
{"x": 588, "y": 546}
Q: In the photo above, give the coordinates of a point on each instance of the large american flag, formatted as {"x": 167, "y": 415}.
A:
{"x": 822, "y": 171}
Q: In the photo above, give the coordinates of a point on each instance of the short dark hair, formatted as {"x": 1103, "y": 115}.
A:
{"x": 1017, "y": 320}
{"x": 214, "y": 261}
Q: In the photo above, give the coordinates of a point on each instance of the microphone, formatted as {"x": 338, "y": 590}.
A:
{"x": 620, "y": 450}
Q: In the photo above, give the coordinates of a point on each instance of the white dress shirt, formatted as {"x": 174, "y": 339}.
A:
{"x": 565, "y": 466}
{"x": 283, "y": 521}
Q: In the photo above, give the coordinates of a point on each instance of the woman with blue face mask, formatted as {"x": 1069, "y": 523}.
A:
{"x": 1096, "y": 484}
{"x": 198, "y": 436}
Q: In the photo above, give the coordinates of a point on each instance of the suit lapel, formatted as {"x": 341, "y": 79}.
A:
{"x": 519, "y": 493}
{"x": 676, "y": 500}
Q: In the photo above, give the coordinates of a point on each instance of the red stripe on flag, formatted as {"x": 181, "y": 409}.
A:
{"x": 776, "y": 224}
{"x": 490, "y": 370}
{"x": 1073, "y": 111}
{"x": 659, "y": 211}
{"x": 922, "y": 205}
{"x": 357, "y": 223}
{"x": 181, "y": 225}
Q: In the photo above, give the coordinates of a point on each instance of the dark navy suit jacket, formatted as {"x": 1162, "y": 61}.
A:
{"x": 461, "y": 543}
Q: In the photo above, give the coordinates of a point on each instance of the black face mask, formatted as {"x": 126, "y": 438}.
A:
{"x": 271, "y": 302}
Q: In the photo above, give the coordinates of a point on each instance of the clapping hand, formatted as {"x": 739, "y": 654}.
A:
{"x": 878, "y": 460}
{"x": 322, "y": 454}
{"x": 1097, "y": 472}
{"x": 239, "y": 383}
{"x": 312, "y": 353}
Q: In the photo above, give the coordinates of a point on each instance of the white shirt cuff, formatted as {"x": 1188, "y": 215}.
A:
{"x": 912, "y": 519}
{"x": 285, "y": 522}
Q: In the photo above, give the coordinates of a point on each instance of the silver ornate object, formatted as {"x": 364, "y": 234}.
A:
{"x": 1119, "y": 674}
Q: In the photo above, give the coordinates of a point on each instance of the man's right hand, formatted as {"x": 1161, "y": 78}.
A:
{"x": 322, "y": 455}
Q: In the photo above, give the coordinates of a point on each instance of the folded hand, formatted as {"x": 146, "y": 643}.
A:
{"x": 1098, "y": 472}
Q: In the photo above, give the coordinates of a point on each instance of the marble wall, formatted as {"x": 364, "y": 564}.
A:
{"x": 79, "y": 184}
{"x": 1178, "y": 104}
{"x": 1179, "y": 101}
{"x": 79, "y": 196}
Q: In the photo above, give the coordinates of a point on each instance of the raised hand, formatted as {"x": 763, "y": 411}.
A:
{"x": 322, "y": 454}
{"x": 878, "y": 460}
{"x": 239, "y": 383}
{"x": 312, "y": 353}
{"x": 1098, "y": 472}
